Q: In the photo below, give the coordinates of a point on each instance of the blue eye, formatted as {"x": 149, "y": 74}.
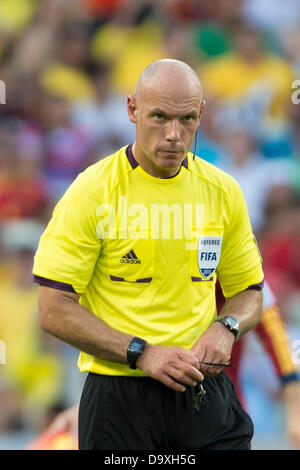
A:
{"x": 159, "y": 116}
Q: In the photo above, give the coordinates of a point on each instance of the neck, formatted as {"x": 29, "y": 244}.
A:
{"x": 150, "y": 167}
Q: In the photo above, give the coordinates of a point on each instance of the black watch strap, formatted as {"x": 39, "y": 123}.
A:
{"x": 134, "y": 351}
{"x": 231, "y": 324}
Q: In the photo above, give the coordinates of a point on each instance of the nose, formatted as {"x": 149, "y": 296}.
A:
{"x": 173, "y": 131}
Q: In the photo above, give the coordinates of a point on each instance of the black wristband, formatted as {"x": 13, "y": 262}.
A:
{"x": 134, "y": 351}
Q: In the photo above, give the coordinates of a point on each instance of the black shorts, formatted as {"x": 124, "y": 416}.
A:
{"x": 140, "y": 413}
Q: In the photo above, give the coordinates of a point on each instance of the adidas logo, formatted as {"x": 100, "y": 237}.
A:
{"x": 130, "y": 258}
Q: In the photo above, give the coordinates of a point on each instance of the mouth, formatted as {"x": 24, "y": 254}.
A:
{"x": 170, "y": 152}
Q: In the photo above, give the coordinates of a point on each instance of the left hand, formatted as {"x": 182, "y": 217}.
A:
{"x": 214, "y": 345}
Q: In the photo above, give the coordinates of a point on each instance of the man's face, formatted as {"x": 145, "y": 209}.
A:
{"x": 166, "y": 119}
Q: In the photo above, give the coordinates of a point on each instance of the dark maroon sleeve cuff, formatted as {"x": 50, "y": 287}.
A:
{"x": 43, "y": 281}
{"x": 257, "y": 286}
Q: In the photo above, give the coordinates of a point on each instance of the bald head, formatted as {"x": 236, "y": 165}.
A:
{"x": 166, "y": 108}
{"x": 169, "y": 74}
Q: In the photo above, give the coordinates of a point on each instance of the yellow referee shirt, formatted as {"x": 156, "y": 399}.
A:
{"x": 144, "y": 252}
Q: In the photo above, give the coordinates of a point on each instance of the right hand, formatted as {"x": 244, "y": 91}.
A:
{"x": 174, "y": 366}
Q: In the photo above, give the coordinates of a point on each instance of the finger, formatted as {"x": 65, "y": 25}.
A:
{"x": 202, "y": 367}
{"x": 181, "y": 377}
{"x": 191, "y": 372}
{"x": 187, "y": 358}
{"x": 201, "y": 354}
{"x": 171, "y": 383}
{"x": 189, "y": 368}
{"x": 211, "y": 371}
{"x": 205, "y": 368}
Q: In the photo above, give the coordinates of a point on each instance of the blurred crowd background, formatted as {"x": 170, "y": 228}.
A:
{"x": 68, "y": 66}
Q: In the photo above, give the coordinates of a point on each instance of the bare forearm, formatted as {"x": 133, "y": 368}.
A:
{"x": 74, "y": 324}
{"x": 63, "y": 317}
{"x": 246, "y": 307}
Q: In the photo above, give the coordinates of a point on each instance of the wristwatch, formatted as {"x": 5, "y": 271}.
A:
{"x": 231, "y": 324}
{"x": 134, "y": 351}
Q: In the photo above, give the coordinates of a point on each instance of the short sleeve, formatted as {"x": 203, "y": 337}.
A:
{"x": 69, "y": 247}
{"x": 240, "y": 264}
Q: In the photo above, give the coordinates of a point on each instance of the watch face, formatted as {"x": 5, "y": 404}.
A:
{"x": 134, "y": 350}
{"x": 135, "y": 347}
{"x": 232, "y": 322}
{"x": 233, "y": 325}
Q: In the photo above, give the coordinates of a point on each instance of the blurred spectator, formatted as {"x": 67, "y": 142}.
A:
{"x": 226, "y": 12}
{"x": 105, "y": 9}
{"x": 267, "y": 14}
{"x": 129, "y": 50}
{"x": 60, "y": 433}
{"x": 14, "y": 19}
{"x": 178, "y": 44}
{"x": 295, "y": 169}
{"x": 73, "y": 44}
{"x": 66, "y": 80}
{"x": 280, "y": 245}
{"x": 208, "y": 140}
{"x": 211, "y": 40}
{"x": 290, "y": 41}
{"x": 22, "y": 190}
{"x": 68, "y": 149}
{"x": 190, "y": 12}
{"x": 31, "y": 379}
{"x": 105, "y": 117}
{"x": 64, "y": 73}
{"x": 186, "y": 12}
{"x": 250, "y": 79}
{"x": 256, "y": 175}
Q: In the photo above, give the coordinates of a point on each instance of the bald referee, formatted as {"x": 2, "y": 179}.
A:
{"x": 127, "y": 269}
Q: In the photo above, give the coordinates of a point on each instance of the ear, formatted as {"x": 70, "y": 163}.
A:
{"x": 131, "y": 108}
{"x": 202, "y": 107}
